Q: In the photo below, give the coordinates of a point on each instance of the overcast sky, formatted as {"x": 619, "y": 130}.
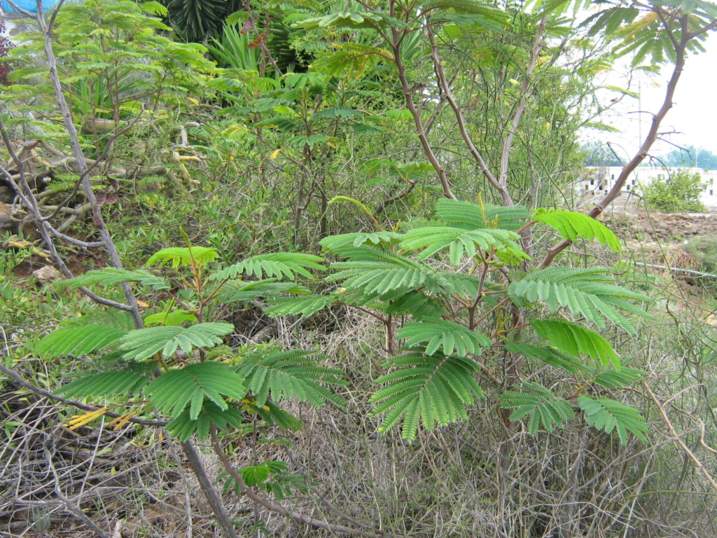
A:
{"x": 694, "y": 114}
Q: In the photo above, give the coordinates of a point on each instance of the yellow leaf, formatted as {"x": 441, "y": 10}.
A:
{"x": 275, "y": 154}
{"x": 121, "y": 421}
{"x": 77, "y": 421}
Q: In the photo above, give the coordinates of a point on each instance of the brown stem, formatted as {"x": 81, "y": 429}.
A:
{"x": 210, "y": 493}
{"x": 276, "y": 507}
{"x": 460, "y": 120}
{"x": 395, "y": 44}
{"x": 17, "y": 378}
{"x": 646, "y": 144}
{"x": 522, "y": 103}
{"x": 82, "y": 163}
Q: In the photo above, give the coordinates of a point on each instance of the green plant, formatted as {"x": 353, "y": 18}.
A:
{"x": 198, "y": 20}
{"x": 704, "y": 249}
{"x": 679, "y": 191}
{"x": 179, "y": 368}
{"x": 234, "y": 49}
{"x": 454, "y": 289}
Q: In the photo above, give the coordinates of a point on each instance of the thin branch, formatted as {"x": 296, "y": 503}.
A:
{"x": 395, "y": 44}
{"x": 81, "y": 161}
{"x": 69, "y": 505}
{"x": 276, "y": 507}
{"x": 195, "y": 462}
{"x": 522, "y": 103}
{"x": 647, "y": 143}
{"x": 17, "y": 378}
{"x": 676, "y": 437}
{"x": 448, "y": 94}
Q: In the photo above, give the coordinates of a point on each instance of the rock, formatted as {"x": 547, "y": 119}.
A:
{"x": 46, "y": 274}
{"x": 6, "y": 194}
{"x": 5, "y": 216}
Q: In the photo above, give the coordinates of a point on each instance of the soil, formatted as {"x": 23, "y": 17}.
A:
{"x": 661, "y": 227}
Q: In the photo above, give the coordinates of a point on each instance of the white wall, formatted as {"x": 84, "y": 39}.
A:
{"x": 599, "y": 180}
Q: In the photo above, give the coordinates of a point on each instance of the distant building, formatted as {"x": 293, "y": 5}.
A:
{"x": 597, "y": 181}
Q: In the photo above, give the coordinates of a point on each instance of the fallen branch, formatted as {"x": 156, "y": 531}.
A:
{"x": 276, "y": 507}
{"x": 678, "y": 440}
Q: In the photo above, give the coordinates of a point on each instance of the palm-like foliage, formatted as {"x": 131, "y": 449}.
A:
{"x": 433, "y": 391}
{"x": 112, "y": 276}
{"x": 576, "y": 340}
{"x": 141, "y": 344}
{"x": 285, "y": 375}
{"x": 190, "y": 386}
{"x": 183, "y": 256}
{"x": 197, "y": 20}
{"x": 473, "y": 216}
{"x": 572, "y": 225}
{"x": 276, "y": 265}
{"x": 79, "y": 340}
{"x": 234, "y": 49}
{"x": 447, "y": 336}
{"x": 542, "y": 407}
{"x": 375, "y": 272}
{"x": 590, "y": 293}
{"x": 461, "y": 242}
{"x": 105, "y": 384}
{"x": 609, "y": 415}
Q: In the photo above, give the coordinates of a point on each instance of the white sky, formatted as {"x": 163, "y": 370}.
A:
{"x": 694, "y": 114}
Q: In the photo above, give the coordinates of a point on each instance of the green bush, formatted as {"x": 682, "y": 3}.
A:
{"x": 677, "y": 192}
{"x": 704, "y": 249}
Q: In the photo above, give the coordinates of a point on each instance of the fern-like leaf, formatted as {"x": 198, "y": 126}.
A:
{"x": 461, "y": 242}
{"x": 183, "y": 256}
{"x": 549, "y": 355}
{"x": 275, "y": 265}
{"x": 447, "y": 336}
{"x": 142, "y": 344}
{"x": 106, "y": 384}
{"x": 302, "y": 305}
{"x": 238, "y": 291}
{"x": 78, "y": 340}
{"x": 358, "y": 239}
{"x": 572, "y": 225}
{"x": 618, "y": 379}
{"x": 590, "y": 293}
{"x": 471, "y": 216}
{"x": 378, "y": 273}
{"x": 174, "y": 317}
{"x": 212, "y": 416}
{"x": 542, "y": 407}
{"x": 434, "y": 391}
{"x": 112, "y": 276}
{"x": 173, "y": 391}
{"x": 285, "y": 375}
{"x": 609, "y": 415}
{"x": 574, "y": 339}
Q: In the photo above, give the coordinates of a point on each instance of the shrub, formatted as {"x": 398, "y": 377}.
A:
{"x": 677, "y": 192}
{"x": 704, "y": 250}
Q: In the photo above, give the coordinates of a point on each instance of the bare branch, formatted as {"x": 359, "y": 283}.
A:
{"x": 395, "y": 43}
{"x": 678, "y": 440}
{"x": 82, "y": 163}
{"x": 448, "y": 94}
{"x": 276, "y": 507}
{"x": 647, "y": 143}
{"x": 522, "y": 103}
